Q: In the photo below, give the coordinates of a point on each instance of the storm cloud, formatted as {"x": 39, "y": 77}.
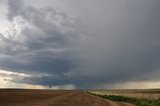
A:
{"x": 97, "y": 43}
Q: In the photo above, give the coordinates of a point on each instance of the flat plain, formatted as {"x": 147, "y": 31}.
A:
{"x": 23, "y": 97}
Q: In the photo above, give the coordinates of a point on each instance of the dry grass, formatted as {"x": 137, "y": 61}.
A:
{"x": 145, "y": 94}
{"x": 147, "y": 97}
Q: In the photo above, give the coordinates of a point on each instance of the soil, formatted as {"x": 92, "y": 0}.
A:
{"x": 19, "y": 97}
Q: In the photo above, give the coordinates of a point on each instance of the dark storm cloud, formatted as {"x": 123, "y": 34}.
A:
{"x": 45, "y": 45}
{"x": 123, "y": 42}
{"x": 114, "y": 41}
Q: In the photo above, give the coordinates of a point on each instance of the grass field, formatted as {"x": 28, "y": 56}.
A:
{"x": 148, "y": 97}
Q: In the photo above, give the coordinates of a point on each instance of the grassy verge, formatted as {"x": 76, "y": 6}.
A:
{"x": 133, "y": 100}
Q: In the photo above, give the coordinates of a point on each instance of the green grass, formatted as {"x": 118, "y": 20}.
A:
{"x": 130, "y": 96}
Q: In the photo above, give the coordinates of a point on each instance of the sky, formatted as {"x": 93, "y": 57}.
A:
{"x": 74, "y": 44}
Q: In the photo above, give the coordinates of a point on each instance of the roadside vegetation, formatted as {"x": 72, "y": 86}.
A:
{"x": 148, "y": 97}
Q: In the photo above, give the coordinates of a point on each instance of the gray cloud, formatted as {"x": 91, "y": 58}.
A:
{"x": 112, "y": 41}
{"x": 123, "y": 42}
{"x": 44, "y": 42}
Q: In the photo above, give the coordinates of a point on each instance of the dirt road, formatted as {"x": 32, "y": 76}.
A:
{"x": 53, "y": 98}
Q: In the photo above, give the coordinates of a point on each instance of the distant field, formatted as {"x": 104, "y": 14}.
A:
{"x": 148, "y": 97}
